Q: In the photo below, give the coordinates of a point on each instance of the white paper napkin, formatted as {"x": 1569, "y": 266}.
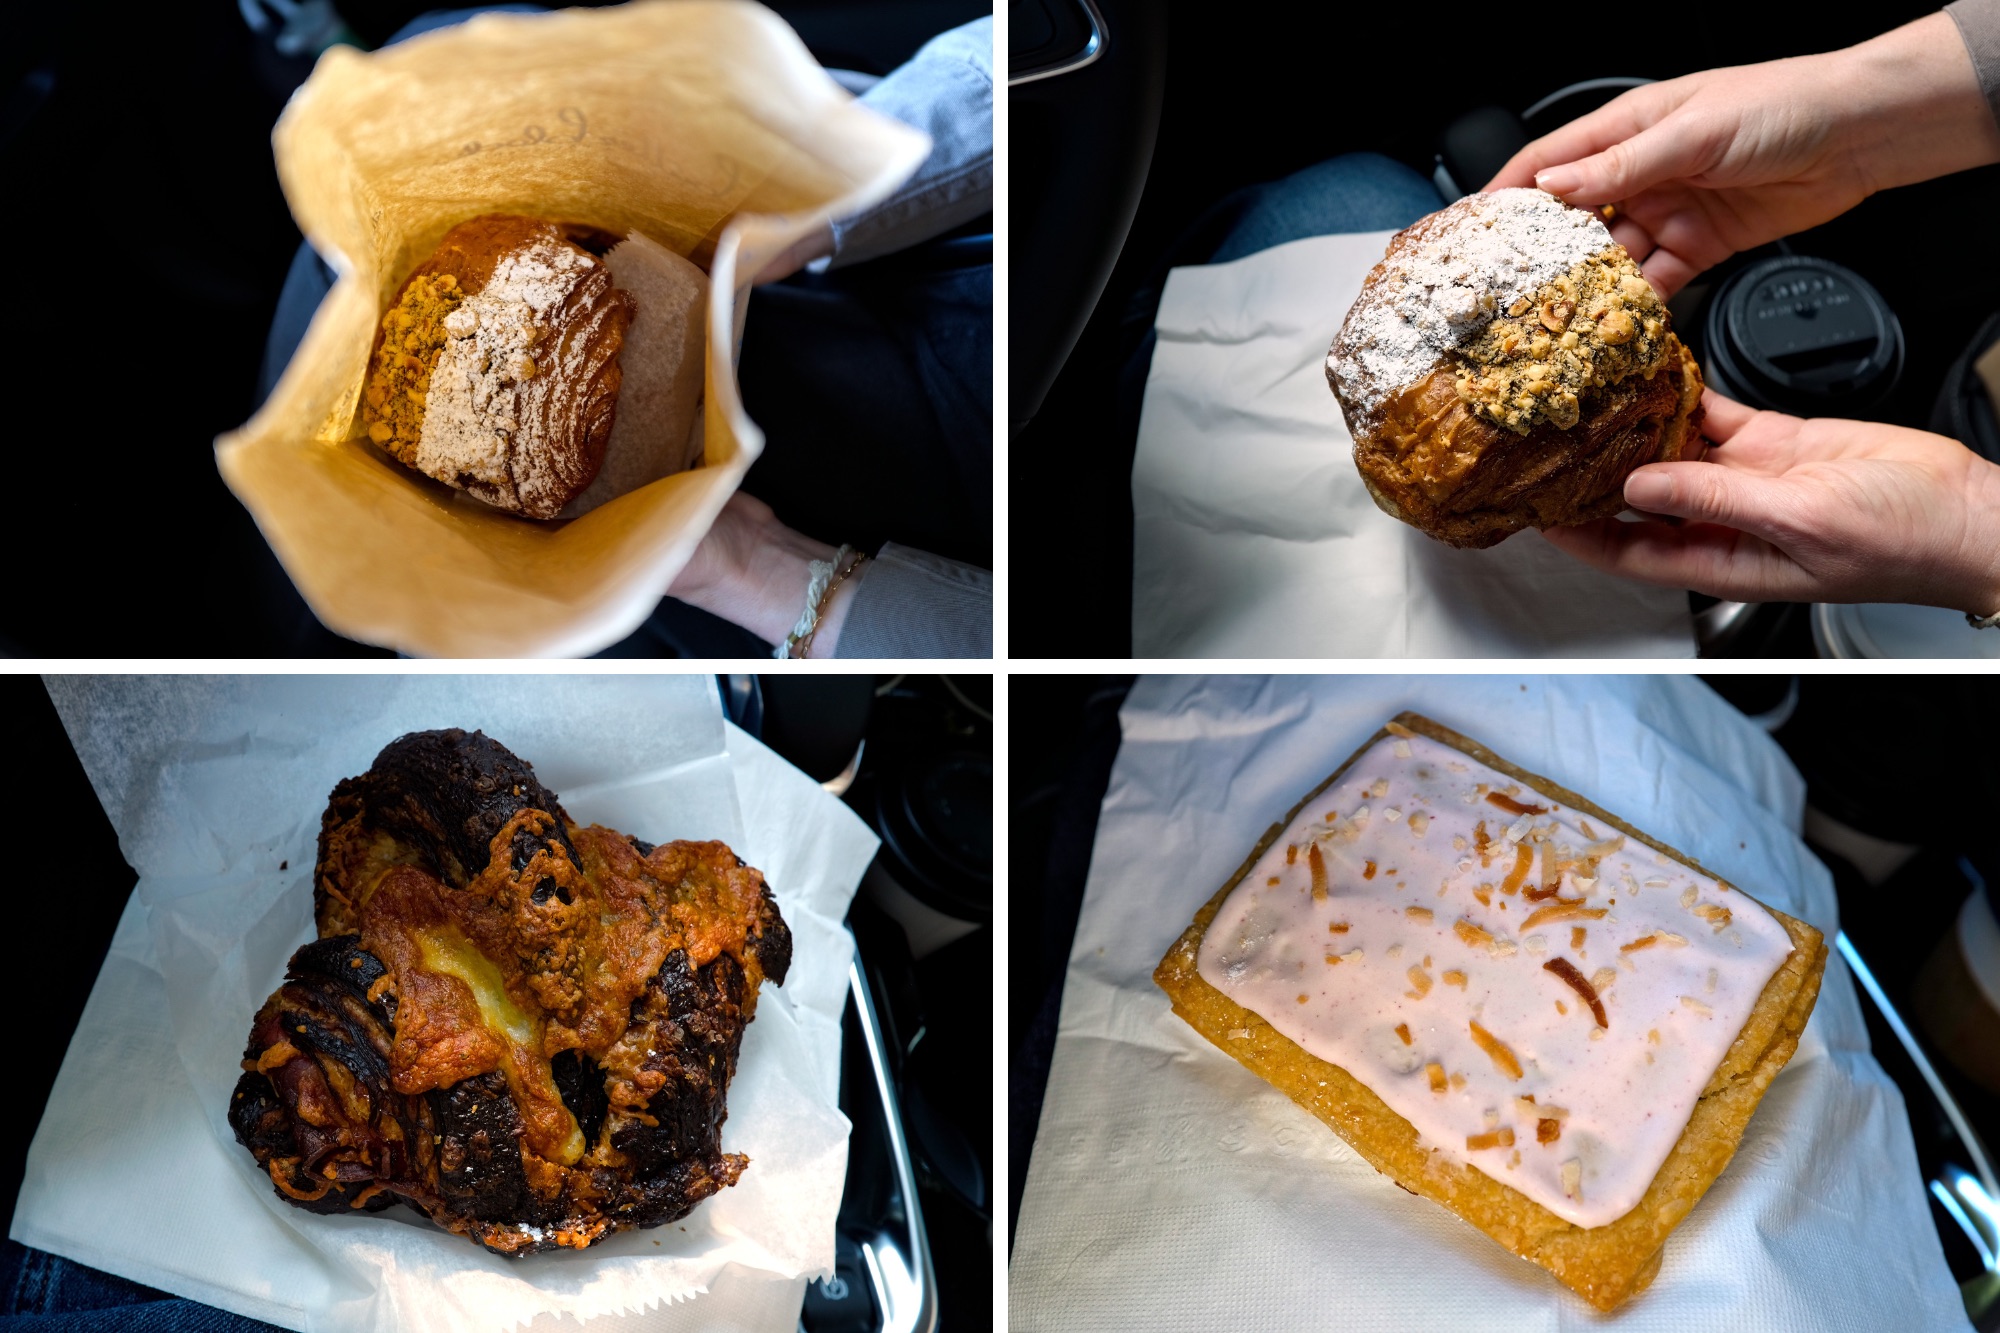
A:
{"x": 1173, "y": 1189}
{"x": 1254, "y": 536}
{"x": 215, "y": 788}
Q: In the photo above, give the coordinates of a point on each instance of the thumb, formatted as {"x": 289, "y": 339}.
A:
{"x": 1663, "y": 152}
{"x": 1710, "y": 493}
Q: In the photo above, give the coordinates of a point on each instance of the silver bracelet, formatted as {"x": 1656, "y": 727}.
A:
{"x": 822, "y": 577}
{"x": 1983, "y": 622}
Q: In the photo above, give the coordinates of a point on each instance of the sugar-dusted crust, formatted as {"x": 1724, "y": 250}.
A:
{"x": 1606, "y": 1265}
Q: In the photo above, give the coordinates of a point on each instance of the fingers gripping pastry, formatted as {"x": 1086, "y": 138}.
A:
{"x": 497, "y": 369}
{"x": 522, "y": 1027}
{"x": 1506, "y": 999}
{"x": 1507, "y": 366}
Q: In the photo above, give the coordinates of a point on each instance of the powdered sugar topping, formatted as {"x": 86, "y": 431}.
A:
{"x": 488, "y": 367}
{"x": 1477, "y": 258}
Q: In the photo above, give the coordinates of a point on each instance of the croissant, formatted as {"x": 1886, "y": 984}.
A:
{"x": 1506, "y": 365}
{"x": 497, "y": 367}
{"x": 523, "y": 1028}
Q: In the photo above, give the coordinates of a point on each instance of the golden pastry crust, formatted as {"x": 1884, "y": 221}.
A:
{"x": 1538, "y": 420}
{"x": 1606, "y": 1265}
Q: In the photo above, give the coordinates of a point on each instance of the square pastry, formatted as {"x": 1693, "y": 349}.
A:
{"x": 1506, "y": 999}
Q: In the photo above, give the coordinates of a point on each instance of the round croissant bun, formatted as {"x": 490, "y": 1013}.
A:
{"x": 497, "y": 367}
{"x": 1506, "y": 366}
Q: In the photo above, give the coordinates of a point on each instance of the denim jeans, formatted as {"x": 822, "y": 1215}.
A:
{"x": 46, "y": 1293}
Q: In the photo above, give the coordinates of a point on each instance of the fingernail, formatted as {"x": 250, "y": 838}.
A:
{"x": 1558, "y": 180}
{"x": 1648, "y": 490}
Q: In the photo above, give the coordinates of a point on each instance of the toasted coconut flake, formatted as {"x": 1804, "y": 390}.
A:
{"x": 1576, "y": 981}
{"x": 1352, "y": 956}
{"x": 1514, "y": 807}
{"x": 1454, "y": 977}
{"x": 1476, "y": 936}
{"x": 1492, "y": 1138}
{"x": 1518, "y": 830}
{"x": 1402, "y": 749}
{"x": 1713, "y": 977}
{"x": 1420, "y": 823}
{"x": 1379, "y": 789}
{"x": 1435, "y": 1072}
{"x": 1403, "y": 1031}
{"x": 1716, "y": 915}
{"x": 1656, "y": 883}
{"x": 1536, "y": 944}
{"x": 1367, "y": 870}
{"x": 1272, "y": 880}
{"x": 1392, "y": 814}
{"x": 1677, "y": 941}
{"x": 1688, "y": 896}
{"x": 1564, "y": 909}
{"x": 1457, "y": 1080}
{"x": 1417, "y": 913}
{"x": 1643, "y": 942}
{"x": 1561, "y": 1008}
{"x": 1484, "y": 893}
{"x": 1420, "y": 983}
{"x": 1690, "y": 1002}
{"x": 1572, "y": 1178}
{"x": 1588, "y": 831}
{"x": 1330, "y": 958}
{"x": 1652, "y": 1036}
{"x": 1524, "y": 861}
{"x": 1337, "y": 928}
{"x": 1548, "y": 1130}
{"x": 1496, "y": 1050}
{"x": 1318, "y": 864}
{"x": 1398, "y": 729}
{"x": 1302, "y": 999}
{"x": 1576, "y": 936}
{"x": 1602, "y": 978}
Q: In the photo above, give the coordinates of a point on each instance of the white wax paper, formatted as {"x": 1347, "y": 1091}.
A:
{"x": 1171, "y": 1188}
{"x": 1254, "y": 536}
{"x": 215, "y": 787}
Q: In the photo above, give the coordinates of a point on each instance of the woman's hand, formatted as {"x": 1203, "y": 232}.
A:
{"x": 1822, "y": 510}
{"x": 752, "y": 571}
{"x": 1705, "y": 166}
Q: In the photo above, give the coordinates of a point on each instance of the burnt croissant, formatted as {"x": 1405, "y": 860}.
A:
{"x": 521, "y": 1027}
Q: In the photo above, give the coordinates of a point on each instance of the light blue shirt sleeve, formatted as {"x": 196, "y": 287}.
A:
{"x": 945, "y": 90}
{"x": 914, "y": 604}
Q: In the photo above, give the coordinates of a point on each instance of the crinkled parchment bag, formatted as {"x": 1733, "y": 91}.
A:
{"x": 703, "y": 124}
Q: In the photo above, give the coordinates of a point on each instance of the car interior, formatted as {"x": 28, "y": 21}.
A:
{"x": 153, "y": 130}
{"x": 912, "y": 756}
{"x": 1132, "y": 122}
{"x": 1904, "y": 868}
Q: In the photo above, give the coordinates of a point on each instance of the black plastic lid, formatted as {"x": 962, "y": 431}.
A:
{"x": 936, "y": 823}
{"x": 1802, "y": 335}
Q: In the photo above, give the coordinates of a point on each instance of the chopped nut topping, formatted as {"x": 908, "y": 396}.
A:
{"x": 1492, "y": 1138}
{"x": 1272, "y": 880}
{"x": 1572, "y": 1178}
{"x": 1420, "y": 980}
{"x": 1496, "y": 1050}
{"x": 1652, "y": 1036}
{"x": 1476, "y": 936}
{"x": 1392, "y": 814}
{"x": 1688, "y": 895}
{"x": 1458, "y": 1080}
{"x": 1436, "y": 1073}
{"x": 1576, "y": 934}
{"x": 1318, "y": 864}
{"x": 1367, "y": 870}
{"x": 1484, "y": 893}
{"x": 1602, "y": 978}
{"x": 1454, "y": 977}
{"x": 1716, "y": 914}
{"x": 1302, "y": 999}
{"x": 1292, "y": 855}
{"x": 1417, "y": 913}
{"x": 1402, "y": 749}
{"x": 1420, "y": 823}
{"x": 1548, "y": 1130}
{"x": 1337, "y": 928}
{"x": 1696, "y": 1005}
{"x": 1379, "y": 789}
{"x": 1403, "y": 1031}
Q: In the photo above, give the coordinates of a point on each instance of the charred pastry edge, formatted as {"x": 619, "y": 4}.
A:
{"x": 484, "y": 787}
{"x": 1569, "y": 1252}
